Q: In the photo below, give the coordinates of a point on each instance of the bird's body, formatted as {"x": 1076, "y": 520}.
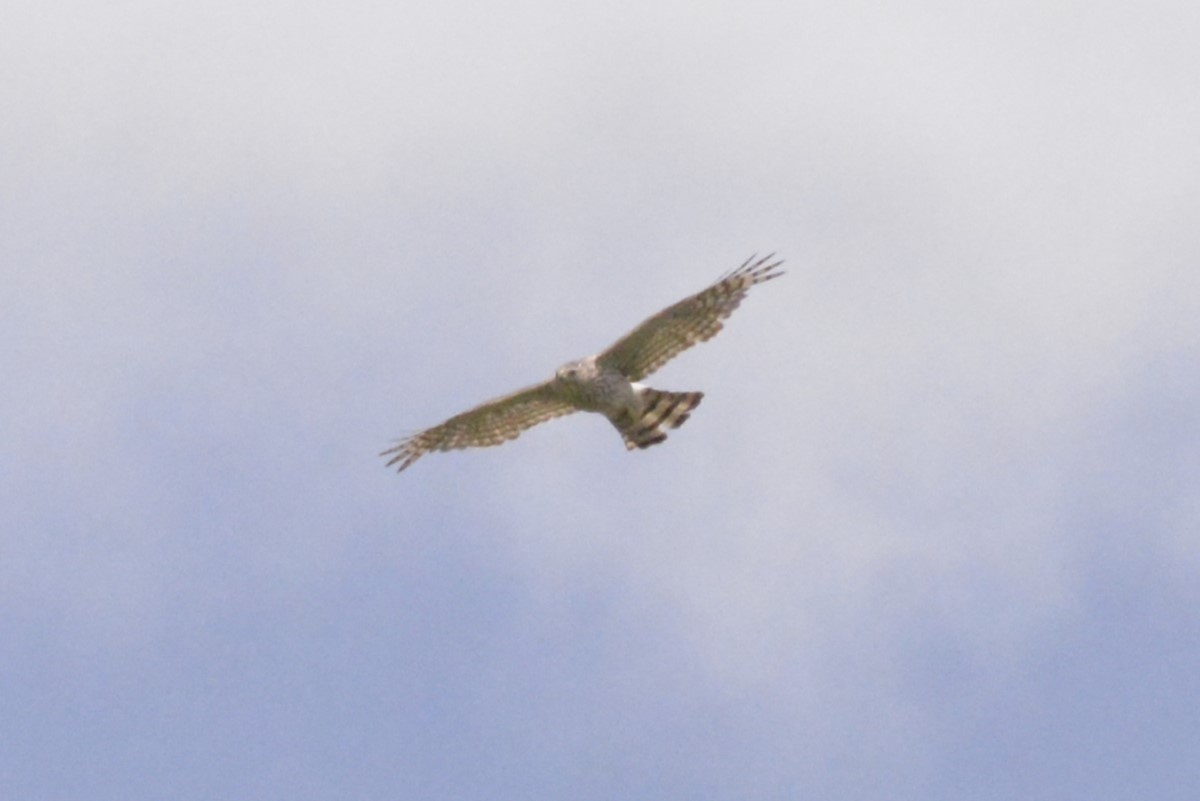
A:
{"x": 606, "y": 383}
{"x": 636, "y": 411}
{"x": 593, "y": 388}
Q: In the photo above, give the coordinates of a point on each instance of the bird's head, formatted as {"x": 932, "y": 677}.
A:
{"x": 573, "y": 372}
{"x": 568, "y": 373}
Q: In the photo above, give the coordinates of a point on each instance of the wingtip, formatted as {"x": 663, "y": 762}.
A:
{"x": 762, "y": 269}
{"x": 400, "y": 452}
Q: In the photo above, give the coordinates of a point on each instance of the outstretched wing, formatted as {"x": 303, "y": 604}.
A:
{"x": 491, "y": 423}
{"x": 696, "y": 319}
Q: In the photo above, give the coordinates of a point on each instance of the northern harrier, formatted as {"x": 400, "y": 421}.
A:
{"x": 604, "y": 383}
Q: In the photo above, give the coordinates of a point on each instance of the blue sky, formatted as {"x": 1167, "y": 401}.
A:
{"x": 934, "y": 533}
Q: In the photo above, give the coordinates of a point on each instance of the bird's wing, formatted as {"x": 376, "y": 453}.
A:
{"x": 695, "y": 319}
{"x": 491, "y": 423}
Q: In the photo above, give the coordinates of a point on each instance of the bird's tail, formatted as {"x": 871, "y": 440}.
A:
{"x": 659, "y": 409}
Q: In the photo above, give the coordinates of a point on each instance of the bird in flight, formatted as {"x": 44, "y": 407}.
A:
{"x": 606, "y": 382}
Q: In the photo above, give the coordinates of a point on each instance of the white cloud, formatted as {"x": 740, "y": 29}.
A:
{"x": 247, "y": 244}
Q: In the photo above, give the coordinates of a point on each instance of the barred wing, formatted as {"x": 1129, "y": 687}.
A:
{"x": 491, "y": 423}
{"x": 696, "y": 319}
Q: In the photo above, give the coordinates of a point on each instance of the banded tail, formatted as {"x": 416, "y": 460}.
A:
{"x": 659, "y": 409}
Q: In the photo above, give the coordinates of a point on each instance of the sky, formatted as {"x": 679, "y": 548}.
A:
{"x": 934, "y": 533}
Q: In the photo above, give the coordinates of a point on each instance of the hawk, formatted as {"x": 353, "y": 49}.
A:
{"x": 604, "y": 383}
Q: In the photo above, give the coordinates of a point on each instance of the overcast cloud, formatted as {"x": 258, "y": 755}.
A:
{"x": 934, "y": 534}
